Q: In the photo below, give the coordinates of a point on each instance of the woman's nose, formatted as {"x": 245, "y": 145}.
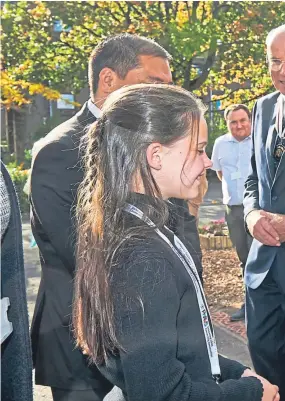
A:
{"x": 207, "y": 162}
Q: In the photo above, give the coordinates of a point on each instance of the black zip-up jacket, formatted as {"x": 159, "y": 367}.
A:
{"x": 159, "y": 327}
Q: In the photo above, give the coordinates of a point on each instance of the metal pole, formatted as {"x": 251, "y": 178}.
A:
{"x": 15, "y": 135}
{"x": 50, "y": 104}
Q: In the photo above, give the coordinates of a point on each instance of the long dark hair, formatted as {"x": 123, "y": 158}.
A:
{"x": 132, "y": 118}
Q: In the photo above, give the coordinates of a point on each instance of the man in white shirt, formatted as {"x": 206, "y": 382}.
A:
{"x": 231, "y": 158}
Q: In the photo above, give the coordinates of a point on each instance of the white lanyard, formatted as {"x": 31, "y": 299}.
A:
{"x": 279, "y": 117}
{"x": 180, "y": 250}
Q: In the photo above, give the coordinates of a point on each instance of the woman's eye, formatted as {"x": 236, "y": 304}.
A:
{"x": 200, "y": 151}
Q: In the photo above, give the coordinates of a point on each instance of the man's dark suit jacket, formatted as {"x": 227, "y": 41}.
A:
{"x": 264, "y": 187}
{"x": 56, "y": 174}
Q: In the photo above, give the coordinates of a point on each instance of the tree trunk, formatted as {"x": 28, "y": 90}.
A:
{"x": 14, "y": 130}
{"x": 7, "y": 130}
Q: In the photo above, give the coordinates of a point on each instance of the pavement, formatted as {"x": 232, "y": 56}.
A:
{"x": 231, "y": 337}
{"x": 212, "y": 207}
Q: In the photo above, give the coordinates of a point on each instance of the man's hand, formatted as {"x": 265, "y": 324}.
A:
{"x": 270, "y": 391}
{"x": 260, "y": 226}
{"x": 278, "y": 222}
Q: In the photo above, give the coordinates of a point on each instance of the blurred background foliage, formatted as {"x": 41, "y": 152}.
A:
{"x": 218, "y": 49}
{"x": 213, "y": 43}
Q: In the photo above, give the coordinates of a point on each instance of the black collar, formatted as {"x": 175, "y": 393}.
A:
{"x": 84, "y": 116}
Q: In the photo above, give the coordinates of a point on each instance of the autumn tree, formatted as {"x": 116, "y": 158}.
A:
{"x": 217, "y": 42}
{"x": 217, "y": 46}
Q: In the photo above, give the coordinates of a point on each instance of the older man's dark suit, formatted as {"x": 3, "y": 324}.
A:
{"x": 265, "y": 269}
{"x": 56, "y": 174}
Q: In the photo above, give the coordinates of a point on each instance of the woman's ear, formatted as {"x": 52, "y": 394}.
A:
{"x": 154, "y": 155}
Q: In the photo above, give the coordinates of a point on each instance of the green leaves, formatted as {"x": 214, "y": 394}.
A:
{"x": 217, "y": 43}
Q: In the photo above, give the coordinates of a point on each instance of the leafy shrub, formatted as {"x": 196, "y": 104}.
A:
{"x": 219, "y": 128}
{"x": 28, "y": 158}
{"x": 19, "y": 177}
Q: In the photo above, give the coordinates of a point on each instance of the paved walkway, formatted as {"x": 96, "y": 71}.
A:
{"x": 230, "y": 336}
{"x": 212, "y": 207}
{"x": 33, "y": 275}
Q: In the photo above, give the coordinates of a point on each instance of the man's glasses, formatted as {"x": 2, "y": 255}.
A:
{"x": 275, "y": 64}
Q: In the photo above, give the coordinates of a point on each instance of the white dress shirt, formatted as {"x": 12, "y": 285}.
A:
{"x": 94, "y": 109}
{"x": 232, "y": 158}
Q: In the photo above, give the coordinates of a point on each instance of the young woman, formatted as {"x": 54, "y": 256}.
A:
{"x": 140, "y": 311}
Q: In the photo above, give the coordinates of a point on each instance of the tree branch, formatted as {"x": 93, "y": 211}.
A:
{"x": 258, "y": 96}
{"x": 244, "y": 101}
{"x": 125, "y": 13}
{"x": 187, "y": 73}
{"x": 116, "y": 18}
{"x": 179, "y": 63}
{"x": 128, "y": 16}
{"x": 136, "y": 9}
{"x": 167, "y": 7}
{"x": 203, "y": 13}
{"x": 224, "y": 97}
{"x": 90, "y": 31}
{"x": 188, "y": 10}
{"x": 175, "y": 11}
{"x": 195, "y": 5}
{"x": 62, "y": 43}
{"x": 92, "y": 6}
{"x": 198, "y": 81}
{"x": 217, "y": 8}
{"x": 143, "y": 6}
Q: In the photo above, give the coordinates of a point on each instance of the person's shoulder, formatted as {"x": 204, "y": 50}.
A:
{"x": 270, "y": 97}
{"x": 141, "y": 263}
{"x": 57, "y": 140}
{"x": 71, "y": 131}
{"x": 146, "y": 255}
{"x": 63, "y": 138}
{"x": 267, "y": 100}
{"x": 64, "y": 133}
{"x": 222, "y": 139}
{"x": 137, "y": 250}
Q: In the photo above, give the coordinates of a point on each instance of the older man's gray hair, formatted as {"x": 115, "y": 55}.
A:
{"x": 274, "y": 33}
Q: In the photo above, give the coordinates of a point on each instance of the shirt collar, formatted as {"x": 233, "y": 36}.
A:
{"x": 94, "y": 109}
{"x": 231, "y": 138}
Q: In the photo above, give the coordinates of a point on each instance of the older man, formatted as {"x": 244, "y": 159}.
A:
{"x": 231, "y": 158}
{"x": 264, "y": 204}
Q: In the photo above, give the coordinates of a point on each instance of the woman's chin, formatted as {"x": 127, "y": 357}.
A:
{"x": 193, "y": 193}
{"x": 190, "y": 192}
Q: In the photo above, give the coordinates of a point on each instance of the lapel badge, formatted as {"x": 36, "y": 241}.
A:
{"x": 278, "y": 151}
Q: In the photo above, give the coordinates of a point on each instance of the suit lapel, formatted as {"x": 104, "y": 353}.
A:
{"x": 280, "y": 169}
{"x": 83, "y": 119}
{"x": 84, "y": 116}
{"x": 281, "y": 165}
{"x": 270, "y": 144}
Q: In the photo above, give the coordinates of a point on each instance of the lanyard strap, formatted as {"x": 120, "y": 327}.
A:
{"x": 280, "y": 115}
{"x": 182, "y": 253}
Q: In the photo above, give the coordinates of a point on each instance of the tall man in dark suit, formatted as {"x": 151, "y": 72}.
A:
{"x": 264, "y": 204}
{"x": 56, "y": 173}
